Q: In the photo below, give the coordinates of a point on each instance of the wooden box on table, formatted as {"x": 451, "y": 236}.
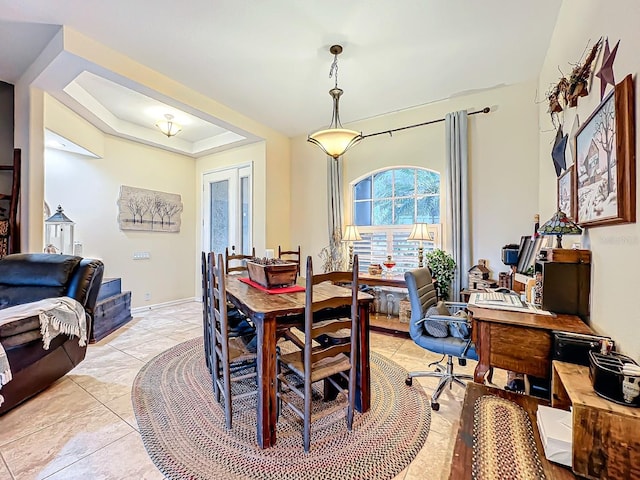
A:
{"x": 274, "y": 275}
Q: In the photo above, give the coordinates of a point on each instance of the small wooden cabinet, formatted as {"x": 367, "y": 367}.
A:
{"x": 606, "y": 438}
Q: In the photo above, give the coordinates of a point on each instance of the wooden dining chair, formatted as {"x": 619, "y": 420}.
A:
{"x": 206, "y": 321}
{"x": 292, "y": 256}
{"x": 231, "y": 359}
{"x": 333, "y": 363}
{"x": 236, "y": 262}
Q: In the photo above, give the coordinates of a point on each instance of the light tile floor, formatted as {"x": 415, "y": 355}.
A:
{"x": 83, "y": 426}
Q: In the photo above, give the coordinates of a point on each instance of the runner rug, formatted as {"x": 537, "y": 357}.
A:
{"x": 182, "y": 427}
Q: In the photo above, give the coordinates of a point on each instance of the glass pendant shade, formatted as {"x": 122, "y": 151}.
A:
{"x": 335, "y": 141}
{"x": 168, "y": 126}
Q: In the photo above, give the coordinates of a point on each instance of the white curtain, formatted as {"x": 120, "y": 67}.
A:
{"x": 333, "y": 257}
{"x": 457, "y": 192}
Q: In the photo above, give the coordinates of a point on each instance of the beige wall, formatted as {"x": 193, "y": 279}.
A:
{"x": 616, "y": 262}
{"x": 88, "y": 190}
{"x": 503, "y": 148}
{"x": 67, "y": 55}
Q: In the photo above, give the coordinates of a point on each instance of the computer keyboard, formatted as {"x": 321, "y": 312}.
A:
{"x": 493, "y": 296}
{"x": 499, "y": 298}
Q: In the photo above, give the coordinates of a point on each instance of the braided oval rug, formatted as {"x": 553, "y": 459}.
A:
{"x": 182, "y": 427}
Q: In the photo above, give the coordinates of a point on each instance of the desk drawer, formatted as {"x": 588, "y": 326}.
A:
{"x": 523, "y": 350}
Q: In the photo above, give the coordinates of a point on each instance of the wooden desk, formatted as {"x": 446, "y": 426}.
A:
{"x": 606, "y": 443}
{"x": 267, "y": 311}
{"x": 518, "y": 341}
{"x": 382, "y": 281}
{"x": 462, "y": 460}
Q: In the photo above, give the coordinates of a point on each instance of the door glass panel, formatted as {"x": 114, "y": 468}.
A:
{"x": 219, "y": 222}
{"x": 244, "y": 224}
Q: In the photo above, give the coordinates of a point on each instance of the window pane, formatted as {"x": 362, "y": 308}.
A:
{"x": 428, "y": 181}
{"x": 383, "y": 184}
{"x": 219, "y": 215}
{"x": 428, "y": 210}
{"x": 362, "y": 189}
{"x": 404, "y": 211}
{"x": 382, "y": 212}
{"x": 362, "y": 213}
{"x": 404, "y": 182}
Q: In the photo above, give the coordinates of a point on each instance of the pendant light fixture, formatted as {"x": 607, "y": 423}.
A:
{"x": 168, "y": 126}
{"x": 335, "y": 140}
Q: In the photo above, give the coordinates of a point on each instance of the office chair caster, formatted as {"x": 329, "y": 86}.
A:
{"x": 435, "y": 406}
{"x": 408, "y": 381}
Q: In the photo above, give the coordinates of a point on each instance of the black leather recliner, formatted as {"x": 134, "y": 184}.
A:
{"x": 29, "y": 277}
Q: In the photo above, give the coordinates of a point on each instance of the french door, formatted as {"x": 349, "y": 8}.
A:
{"x": 227, "y": 215}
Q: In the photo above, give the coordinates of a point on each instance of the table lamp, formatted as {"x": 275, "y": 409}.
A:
{"x": 419, "y": 233}
{"x": 351, "y": 235}
{"x": 559, "y": 225}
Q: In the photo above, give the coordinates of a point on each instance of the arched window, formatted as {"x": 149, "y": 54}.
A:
{"x": 386, "y": 204}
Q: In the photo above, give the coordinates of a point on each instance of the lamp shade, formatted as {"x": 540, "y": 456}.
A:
{"x": 559, "y": 225}
{"x": 168, "y": 126}
{"x": 351, "y": 234}
{"x": 335, "y": 141}
{"x": 420, "y": 231}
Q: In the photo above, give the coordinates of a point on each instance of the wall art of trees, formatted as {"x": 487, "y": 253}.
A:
{"x": 150, "y": 210}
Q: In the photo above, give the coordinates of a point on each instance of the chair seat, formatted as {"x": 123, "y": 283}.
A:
{"x": 447, "y": 346}
{"x": 239, "y": 351}
{"x": 320, "y": 370}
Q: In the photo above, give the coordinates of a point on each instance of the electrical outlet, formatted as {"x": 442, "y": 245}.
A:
{"x": 141, "y": 255}
{"x": 147, "y": 297}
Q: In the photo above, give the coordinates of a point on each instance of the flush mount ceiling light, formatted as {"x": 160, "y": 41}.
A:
{"x": 168, "y": 126}
{"x": 335, "y": 140}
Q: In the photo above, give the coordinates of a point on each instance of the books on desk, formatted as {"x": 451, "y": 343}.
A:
{"x": 503, "y": 301}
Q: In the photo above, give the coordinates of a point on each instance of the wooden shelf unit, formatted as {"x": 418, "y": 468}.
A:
{"x": 606, "y": 442}
{"x": 10, "y": 233}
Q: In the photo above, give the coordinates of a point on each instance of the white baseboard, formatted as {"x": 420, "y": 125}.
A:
{"x": 164, "y": 304}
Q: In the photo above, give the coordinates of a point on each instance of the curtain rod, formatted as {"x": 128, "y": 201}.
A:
{"x": 484, "y": 110}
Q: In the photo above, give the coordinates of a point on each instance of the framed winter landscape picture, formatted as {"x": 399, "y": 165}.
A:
{"x": 605, "y": 164}
{"x": 149, "y": 210}
{"x": 565, "y": 193}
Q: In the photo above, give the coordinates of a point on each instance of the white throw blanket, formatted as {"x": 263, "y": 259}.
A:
{"x": 57, "y": 315}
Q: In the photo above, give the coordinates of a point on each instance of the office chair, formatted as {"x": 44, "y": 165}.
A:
{"x": 433, "y": 328}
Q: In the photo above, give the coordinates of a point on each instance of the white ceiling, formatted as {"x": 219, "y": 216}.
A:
{"x": 269, "y": 60}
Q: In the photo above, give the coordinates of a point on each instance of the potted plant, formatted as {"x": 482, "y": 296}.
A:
{"x": 442, "y": 268}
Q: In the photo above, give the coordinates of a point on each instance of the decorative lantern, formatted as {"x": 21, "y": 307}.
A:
{"x": 59, "y": 233}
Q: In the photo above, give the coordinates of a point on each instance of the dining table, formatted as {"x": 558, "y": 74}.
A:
{"x": 271, "y": 313}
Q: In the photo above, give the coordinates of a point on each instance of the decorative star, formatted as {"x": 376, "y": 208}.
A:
{"x": 605, "y": 74}
{"x": 557, "y": 153}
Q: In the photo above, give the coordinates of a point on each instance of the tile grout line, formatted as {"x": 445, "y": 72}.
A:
{"x": 7, "y": 465}
{"x": 89, "y": 454}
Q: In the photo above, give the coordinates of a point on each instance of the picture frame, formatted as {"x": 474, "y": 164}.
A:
{"x": 565, "y": 196}
{"x": 605, "y": 166}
